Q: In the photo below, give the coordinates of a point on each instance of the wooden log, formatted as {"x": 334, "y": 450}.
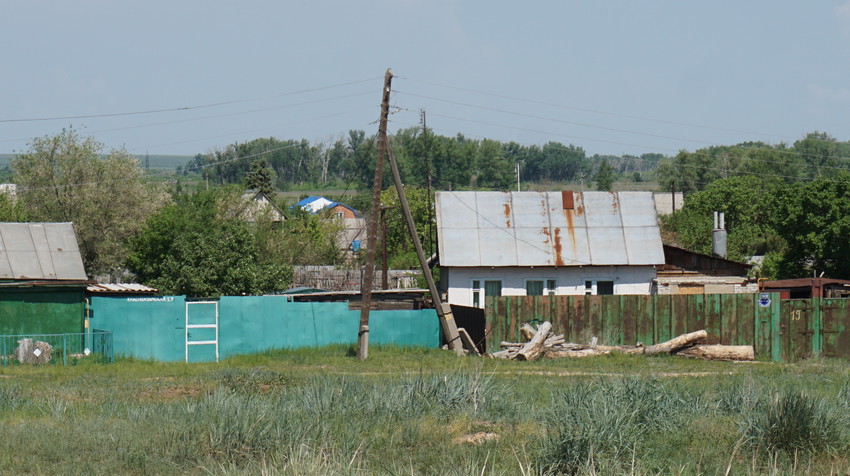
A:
{"x": 527, "y": 331}
{"x": 676, "y": 343}
{"x": 554, "y": 340}
{"x": 533, "y": 348}
{"x": 467, "y": 342}
{"x": 719, "y": 352}
{"x": 502, "y": 354}
{"x": 620, "y": 349}
{"x": 557, "y": 354}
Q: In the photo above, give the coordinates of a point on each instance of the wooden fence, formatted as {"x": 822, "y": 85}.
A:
{"x": 779, "y": 330}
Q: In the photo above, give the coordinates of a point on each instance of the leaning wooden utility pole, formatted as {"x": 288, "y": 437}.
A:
{"x": 447, "y": 321}
{"x": 372, "y": 224}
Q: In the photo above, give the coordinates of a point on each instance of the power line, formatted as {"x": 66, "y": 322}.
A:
{"x": 593, "y": 111}
{"x": 180, "y": 108}
{"x": 562, "y": 121}
{"x": 215, "y": 116}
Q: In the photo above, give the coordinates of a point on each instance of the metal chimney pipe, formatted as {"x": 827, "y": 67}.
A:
{"x": 718, "y": 236}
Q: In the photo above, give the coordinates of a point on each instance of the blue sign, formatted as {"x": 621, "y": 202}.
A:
{"x": 764, "y": 300}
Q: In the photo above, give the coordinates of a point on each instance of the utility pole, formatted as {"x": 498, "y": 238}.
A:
{"x": 447, "y": 321}
{"x": 428, "y": 182}
{"x": 517, "y": 177}
{"x": 372, "y": 224}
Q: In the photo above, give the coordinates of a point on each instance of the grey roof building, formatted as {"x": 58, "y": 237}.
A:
{"x": 40, "y": 251}
{"x": 548, "y": 229}
{"x": 552, "y": 243}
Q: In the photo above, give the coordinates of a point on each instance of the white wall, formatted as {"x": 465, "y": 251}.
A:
{"x": 570, "y": 280}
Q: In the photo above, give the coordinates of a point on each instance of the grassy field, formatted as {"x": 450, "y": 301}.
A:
{"x": 320, "y": 411}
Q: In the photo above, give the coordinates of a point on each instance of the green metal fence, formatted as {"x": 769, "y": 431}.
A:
{"x": 172, "y": 329}
{"x": 733, "y": 319}
{"x": 68, "y": 348}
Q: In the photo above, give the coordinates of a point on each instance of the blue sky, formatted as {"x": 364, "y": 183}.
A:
{"x": 612, "y": 77}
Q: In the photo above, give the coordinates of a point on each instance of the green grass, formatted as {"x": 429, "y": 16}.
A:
{"x": 414, "y": 411}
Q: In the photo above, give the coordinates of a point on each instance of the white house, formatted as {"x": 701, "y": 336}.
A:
{"x": 535, "y": 243}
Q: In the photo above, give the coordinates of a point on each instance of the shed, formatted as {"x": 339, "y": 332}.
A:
{"x": 688, "y": 272}
{"x": 555, "y": 243}
{"x": 42, "y": 279}
{"x": 807, "y": 288}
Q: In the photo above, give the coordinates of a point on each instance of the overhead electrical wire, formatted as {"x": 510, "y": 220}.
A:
{"x": 562, "y": 121}
{"x": 181, "y": 108}
{"x": 217, "y": 116}
{"x": 593, "y": 111}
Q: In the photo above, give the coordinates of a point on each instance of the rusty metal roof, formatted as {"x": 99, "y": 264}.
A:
{"x": 43, "y": 251}
{"x": 548, "y": 229}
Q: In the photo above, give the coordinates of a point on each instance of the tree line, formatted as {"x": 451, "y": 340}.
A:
{"x": 424, "y": 158}
{"x": 787, "y": 202}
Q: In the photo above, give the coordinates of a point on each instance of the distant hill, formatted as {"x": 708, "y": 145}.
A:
{"x": 168, "y": 162}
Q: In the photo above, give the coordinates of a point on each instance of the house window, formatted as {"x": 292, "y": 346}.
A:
{"x": 534, "y": 287}
{"x": 540, "y": 287}
{"x": 491, "y": 288}
{"x": 598, "y": 287}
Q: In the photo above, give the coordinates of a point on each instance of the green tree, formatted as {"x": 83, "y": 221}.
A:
{"x": 402, "y": 253}
{"x": 604, "y": 177}
{"x": 199, "y": 247}
{"x": 748, "y": 203}
{"x": 11, "y": 209}
{"x": 220, "y": 261}
{"x": 65, "y": 178}
{"x": 812, "y": 218}
{"x": 261, "y": 177}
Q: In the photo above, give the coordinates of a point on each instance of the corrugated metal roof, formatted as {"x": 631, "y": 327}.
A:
{"x": 535, "y": 229}
{"x": 122, "y": 288}
{"x": 46, "y": 251}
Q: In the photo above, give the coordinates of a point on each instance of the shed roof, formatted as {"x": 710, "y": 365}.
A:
{"x": 43, "y": 251}
{"x": 548, "y": 229}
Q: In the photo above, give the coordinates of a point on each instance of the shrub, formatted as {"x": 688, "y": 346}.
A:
{"x": 794, "y": 423}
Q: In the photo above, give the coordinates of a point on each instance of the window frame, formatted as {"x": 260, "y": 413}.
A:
{"x": 547, "y": 282}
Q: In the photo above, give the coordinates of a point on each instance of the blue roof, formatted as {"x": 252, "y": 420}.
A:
{"x": 312, "y": 198}
{"x": 308, "y": 200}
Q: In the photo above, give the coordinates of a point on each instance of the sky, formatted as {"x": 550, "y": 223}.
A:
{"x": 613, "y": 77}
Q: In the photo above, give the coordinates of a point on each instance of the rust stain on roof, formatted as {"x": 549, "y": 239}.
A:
{"x": 559, "y": 260}
{"x": 508, "y": 214}
{"x": 615, "y": 203}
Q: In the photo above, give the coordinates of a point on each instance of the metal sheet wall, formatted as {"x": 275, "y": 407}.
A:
{"x": 155, "y": 327}
{"x": 733, "y": 319}
{"x": 41, "y": 310}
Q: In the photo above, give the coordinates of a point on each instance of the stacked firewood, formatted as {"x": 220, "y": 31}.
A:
{"x": 542, "y": 343}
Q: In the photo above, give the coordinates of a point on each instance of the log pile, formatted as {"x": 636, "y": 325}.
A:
{"x": 541, "y": 342}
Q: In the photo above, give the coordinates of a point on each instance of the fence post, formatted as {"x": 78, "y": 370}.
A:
{"x": 65, "y": 349}
{"x": 817, "y": 326}
{"x": 775, "y": 328}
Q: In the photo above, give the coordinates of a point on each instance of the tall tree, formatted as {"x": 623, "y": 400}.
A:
{"x": 813, "y": 220}
{"x": 261, "y": 177}
{"x": 199, "y": 247}
{"x": 604, "y": 177}
{"x": 66, "y": 178}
